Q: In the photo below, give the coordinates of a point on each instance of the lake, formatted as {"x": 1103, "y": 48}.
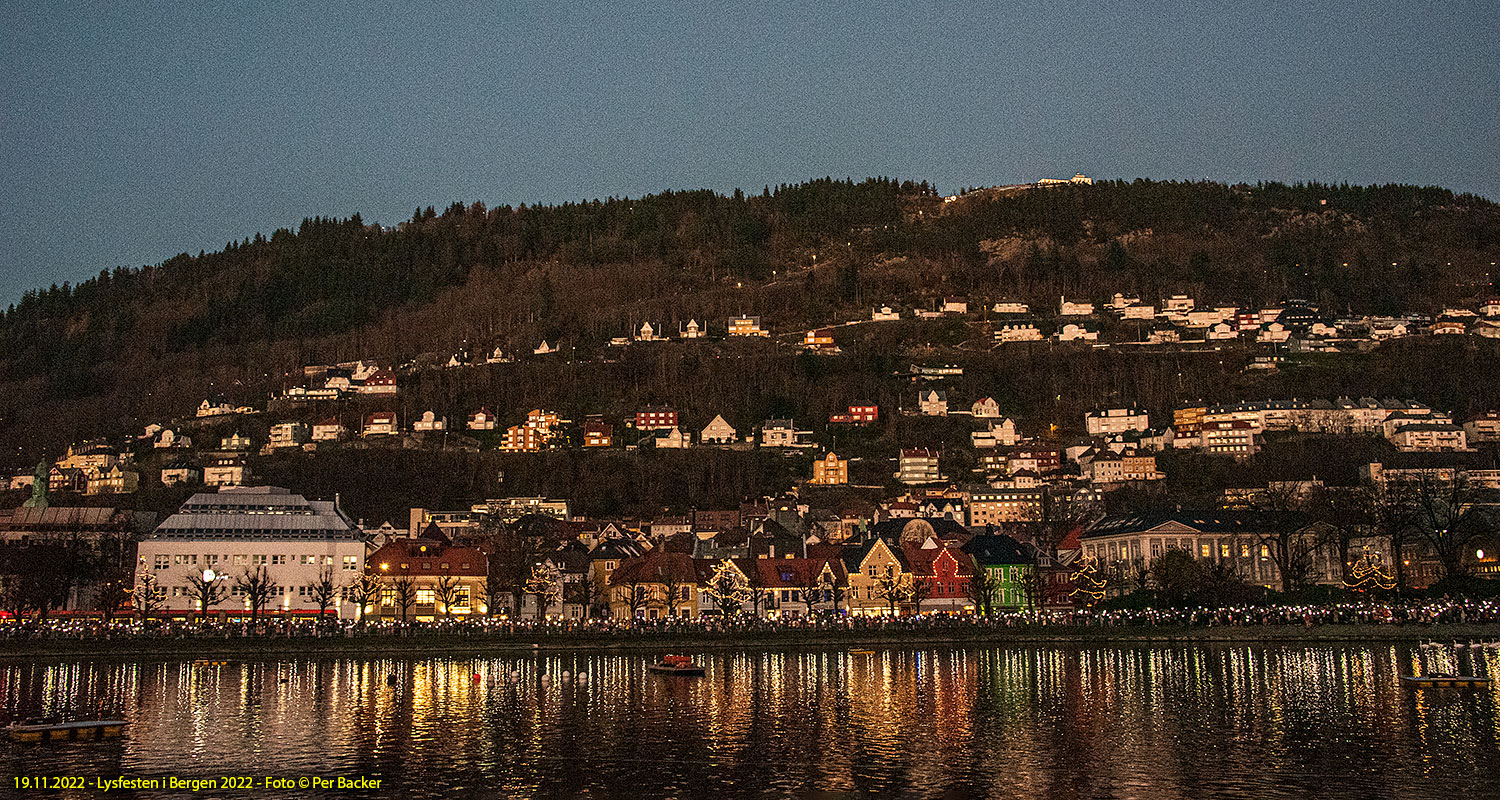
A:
{"x": 1157, "y": 721}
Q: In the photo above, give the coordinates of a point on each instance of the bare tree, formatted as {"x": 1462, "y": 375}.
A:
{"x": 982, "y": 587}
{"x": 365, "y": 592}
{"x": 1292, "y": 549}
{"x": 635, "y": 594}
{"x": 404, "y": 591}
{"x": 584, "y": 592}
{"x": 208, "y": 590}
{"x": 1449, "y": 514}
{"x": 755, "y": 583}
{"x": 1345, "y": 514}
{"x": 918, "y": 588}
{"x": 149, "y": 597}
{"x": 813, "y": 590}
{"x": 447, "y": 593}
{"x": 892, "y": 587}
{"x": 672, "y": 585}
{"x": 257, "y": 587}
{"x": 511, "y": 550}
{"x": 325, "y": 593}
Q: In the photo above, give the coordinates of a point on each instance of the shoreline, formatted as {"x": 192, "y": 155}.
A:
{"x": 438, "y": 645}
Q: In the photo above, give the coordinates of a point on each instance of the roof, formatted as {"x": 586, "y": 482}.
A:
{"x": 63, "y": 517}
{"x": 1201, "y": 521}
{"x": 923, "y": 560}
{"x": 995, "y": 549}
{"x": 426, "y": 557}
{"x": 256, "y": 512}
{"x": 659, "y": 567}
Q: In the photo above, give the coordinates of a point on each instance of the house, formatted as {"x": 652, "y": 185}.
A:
{"x": 214, "y": 408}
{"x": 1430, "y": 437}
{"x": 933, "y": 403}
{"x": 659, "y": 585}
{"x": 1229, "y": 437}
{"x": 1449, "y": 327}
{"x": 180, "y": 472}
{"x": 692, "y": 330}
{"x": 482, "y": 420}
{"x": 427, "y": 577}
{"x": 1011, "y": 308}
{"x": 917, "y": 466}
{"x": 717, "y": 431}
{"x": 1073, "y": 332}
{"x": 830, "y": 470}
{"x": 380, "y": 423}
{"x": 1273, "y": 332}
{"x": 857, "y": 415}
{"x": 781, "y": 433}
{"x": 1108, "y": 468}
{"x": 1141, "y": 311}
{"x": 225, "y": 469}
{"x": 798, "y": 586}
{"x": 294, "y": 542}
{"x": 329, "y": 430}
{"x": 1220, "y": 331}
{"x": 1067, "y": 309}
{"x": 235, "y": 441}
{"x": 1126, "y": 545}
{"x": 745, "y": 325}
{"x": 655, "y": 418}
{"x": 821, "y": 340}
{"x": 878, "y": 578}
{"x": 647, "y": 333}
{"x": 1101, "y": 422}
{"x": 1164, "y": 334}
{"x": 1483, "y": 428}
{"x": 112, "y": 481}
{"x": 884, "y": 314}
{"x": 523, "y": 439}
{"x": 1490, "y": 307}
{"x": 1018, "y": 332}
{"x": 497, "y": 356}
{"x": 430, "y": 421}
{"x": 379, "y": 382}
{"x": 287, "y": 435}
{"x": 169, "y": 439}
{"x": 941, "y": 575}
{"x": 996, "y": 434}
{"x": 672, "y": 439}
{"x": 1008, "y": 566}
{"x": 543, "y": 349}
{"x": 985, "y": 408}
{"x": 955, "y": 305}
{"x": 1178, "y": 304}
{"x": 597, "y": 432}
{"x": 67, "y": 479}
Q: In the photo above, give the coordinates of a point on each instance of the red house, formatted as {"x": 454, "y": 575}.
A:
{"x": 858, "y": 415}
{"x": 655, "y": 418}
{"x": 944, "y": 572}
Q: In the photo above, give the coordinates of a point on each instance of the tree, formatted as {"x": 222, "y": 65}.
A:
{"x": 446, "y": 592}
{"x": 1344, "y": 516}
{"x": 365, "y": 592}
{"x": 113, "y": 591}
{"x": 257, "y": 587}
{"x": 728, "y": 588}
{"x": 149, "y": 597}
{"x": 1088, "y": 584}
{"x": 635, "y": 594}
{"x": 1449, "y": 514}
{"x": 1292, "y": 549}
{"x": 543, "y": 585}
{"x": 892, "y": 587}
{"x": 207, "y": 588}
{"x": 756, "y": 583}
{"x": 982, "y": 587}
{"x": 918, "y": 588}
{"x": 672, "y": 584}
{"x": 1369, "y": 572}
{"x": 512, "y": 550}
{"x": 325, "y": 593}
{"x": 814, "y": 578}
{"x": 1177, "y": 577}
{"x": 583, "y": 592}
{"x": 404, "y": 593}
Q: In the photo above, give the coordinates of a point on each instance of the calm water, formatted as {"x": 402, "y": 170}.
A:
{"x": 1158, "y": 722}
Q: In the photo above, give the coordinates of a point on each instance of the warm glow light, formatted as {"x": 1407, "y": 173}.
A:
{"x": 208, "y": 574}
{"x": 385, "y": 566}
{"x": 1479, "y": 554}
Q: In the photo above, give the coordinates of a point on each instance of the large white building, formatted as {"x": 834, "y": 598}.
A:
{"x": 237, "y": 530}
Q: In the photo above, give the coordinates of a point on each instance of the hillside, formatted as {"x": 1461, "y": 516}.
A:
{"x": 135, "y": 346}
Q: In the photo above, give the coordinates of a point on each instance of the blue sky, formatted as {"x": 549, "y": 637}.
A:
{"x": 129, "y": 133}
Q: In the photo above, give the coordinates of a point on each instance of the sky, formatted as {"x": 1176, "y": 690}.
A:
{"x": 133, "y": 132}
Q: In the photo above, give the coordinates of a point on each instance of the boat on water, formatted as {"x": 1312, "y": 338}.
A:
{"x": 57, "y": 731}
{"x": 861, "y": 652}
{"x": 210, "y": 662}
{"x": 681, "y": 666}
{"x": 1440, "y": 680}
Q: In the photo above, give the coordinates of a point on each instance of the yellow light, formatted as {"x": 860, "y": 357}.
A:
{"x": 1479, "y": 554}
{"x": 385, "y": 566}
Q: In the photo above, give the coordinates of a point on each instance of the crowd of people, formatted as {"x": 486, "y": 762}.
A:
{"x": 222, "y": 625}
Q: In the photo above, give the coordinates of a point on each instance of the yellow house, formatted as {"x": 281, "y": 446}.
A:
{"x": 830, "y": 470}
{"x": 878, "y": 576}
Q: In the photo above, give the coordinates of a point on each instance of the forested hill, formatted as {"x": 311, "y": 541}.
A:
{"x": 140, "y": 345}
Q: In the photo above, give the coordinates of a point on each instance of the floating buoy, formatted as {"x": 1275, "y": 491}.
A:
{"x": 476, "y": 677}
{"x": 515, "y": 674}
{"x": 583, "y": 677}
{"x": 565, "y": 676}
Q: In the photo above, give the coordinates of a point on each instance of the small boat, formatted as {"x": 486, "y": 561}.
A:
{"x": 209, "y": 662}
{"x": 681, "y": 666}
{"x": 1440, "y": 680}
{"x": 84, "y": 730}
{"x": 861, "y": 652}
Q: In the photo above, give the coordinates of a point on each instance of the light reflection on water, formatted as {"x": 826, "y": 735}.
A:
{"x": 1157, "y": 721}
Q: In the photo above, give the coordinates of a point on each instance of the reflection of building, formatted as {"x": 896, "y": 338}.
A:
{"x": 238, "y": 530}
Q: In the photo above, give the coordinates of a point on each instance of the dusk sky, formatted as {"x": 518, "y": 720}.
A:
{"x": 132, "y": 132}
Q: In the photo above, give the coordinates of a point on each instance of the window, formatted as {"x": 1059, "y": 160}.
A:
{"x": 461, "y": 598}
{"x": 1244, "y": 551}
{"x": 210, "y": 559}
{"x": 259, "y": 561}
{"x": 278, "y": 559}
{"x": 1223, "y": 550}
{"x": 388, "y": 597}
{"x": 239, "y": 559}
{"x": 1206, "y": 549}
{"x": 1156, "y": 549}
{"x": 351, "y": 563}
{"x": 306, "y": 560}
{"x": 162, "y": 561}
{"x": 1265, "y": 551}
{"x": 425, "y": 597}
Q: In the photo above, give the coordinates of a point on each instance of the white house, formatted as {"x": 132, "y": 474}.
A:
{"x": 746, "y": 325}
{"x": 672, "y": 439}
{"x": 718, "y": 432}
{"x": 543, "y": 349}
{"x": 170, "y": 439}
{"x": 997, "y": 434}
{"x": 648, "y": 333}
{"x": 1011, "y": 307}
{"x": 214, "y": 408}
{"x": 985, "y": 407}
{"x": 1273, "y": 332}
{"x": 918, "y": 466}
{"x": 229, "y": 535}
{"x": 692, "y": 330}
{"x": 1018, "y": 332}
{"x": 287, "y": 434}
{"x": 1073, "y": 332}
{"x": 1221, "y": 330}
{"x": 933, "y": 403}
{"x": 1178, "y": 303}
{"x": 955, "y": 305}
{"x": 380, "y": 423}
{"x": 329, "y": 430}
{"x": 780, "y": 433}
{"x": 430, "y": 421}
{"x": 227, "y": 469}
{"x": 1068, "y": 309}
{"x": 482, "y": 420}
{"x": 1116, "y": 420}
{"x": 884, "y": 314}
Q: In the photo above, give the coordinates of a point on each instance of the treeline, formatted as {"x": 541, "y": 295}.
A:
{"x": 138, "y": 345}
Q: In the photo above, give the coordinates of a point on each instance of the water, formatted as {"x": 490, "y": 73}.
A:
{"x": 1131, "y": 721}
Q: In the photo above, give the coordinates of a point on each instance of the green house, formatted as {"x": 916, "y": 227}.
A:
{"x": 1008, "y": 564}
